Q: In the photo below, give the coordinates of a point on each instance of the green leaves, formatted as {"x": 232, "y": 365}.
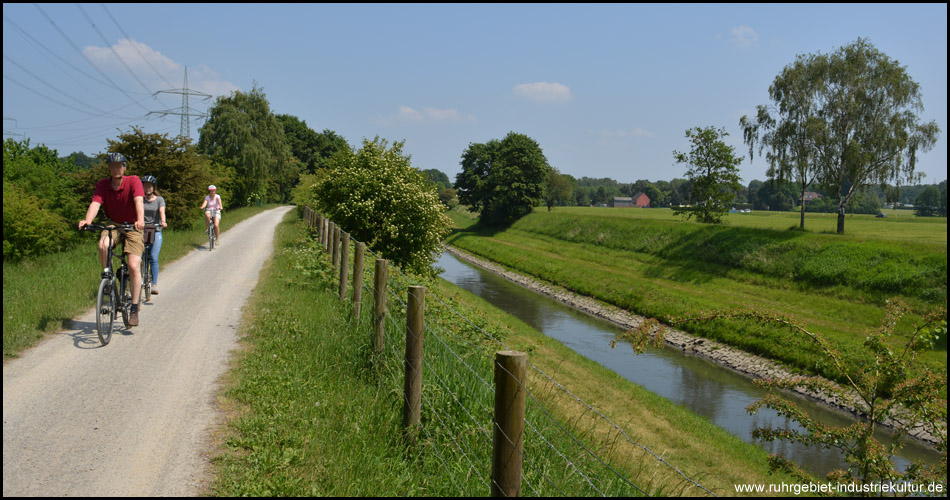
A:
{"x": 503, "y": 180}
{"x": 713, "y": 171}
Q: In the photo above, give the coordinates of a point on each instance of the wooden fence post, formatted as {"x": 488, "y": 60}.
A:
{"x": 379, "y": 312}
{"x": 344, "y": 262}
{"x": 508, "y": 438}
{"x": 336, "y": 244}
{"x": 358, "y": 280}
{"x": 412, "y": 389}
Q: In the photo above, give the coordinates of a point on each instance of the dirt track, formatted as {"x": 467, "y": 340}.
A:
{"x": 132, "y": 418}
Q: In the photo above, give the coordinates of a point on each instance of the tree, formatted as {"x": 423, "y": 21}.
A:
{"x": 927, "y": 202}
{"x": 502, "y": 180}
{"x": 437, "y": 177}
{"x": 713, "y": 172}
{"x": 302, "y": 140}
{"x": 557, "y": 189}
{"x": 790, "y": 137}
{"x": 328, "y": 144}
{"x": 377, "y": 196}
{"x": 867, "y": 130}
{"x": 246, "y": 137}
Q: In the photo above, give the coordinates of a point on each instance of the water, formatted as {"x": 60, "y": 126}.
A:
{"x": 706, "y": 388}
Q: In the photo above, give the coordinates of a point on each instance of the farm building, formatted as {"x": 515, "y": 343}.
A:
{"x": 639, "y": 200}
{"x": 809, "y": 195}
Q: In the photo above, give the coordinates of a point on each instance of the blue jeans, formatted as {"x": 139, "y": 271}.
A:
{"x": 156, "y": 248}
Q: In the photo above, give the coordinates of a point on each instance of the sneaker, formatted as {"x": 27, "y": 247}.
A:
{"x": 154, "y": 289}
{"x": 134, "y": 317}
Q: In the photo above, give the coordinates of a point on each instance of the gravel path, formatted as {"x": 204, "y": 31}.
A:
{"x": 133, "y": 418}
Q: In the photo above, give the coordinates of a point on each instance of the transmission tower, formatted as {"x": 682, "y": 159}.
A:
{"x": 185, "y": 110}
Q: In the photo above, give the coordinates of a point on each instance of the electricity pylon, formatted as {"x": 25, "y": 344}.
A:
{"x": 185, "y": 112}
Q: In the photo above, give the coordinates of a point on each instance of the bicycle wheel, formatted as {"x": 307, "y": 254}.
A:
{"x": 146, "y": 293}
{"x": 105, "y": 312}
{"x": 211, "y": 237}
{"x": 125, "y": 298}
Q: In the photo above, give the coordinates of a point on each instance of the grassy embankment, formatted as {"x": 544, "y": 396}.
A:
{"x": 657, "y": 265}
{"x": 41, "y": 295}
{"x": 312, "y": 417}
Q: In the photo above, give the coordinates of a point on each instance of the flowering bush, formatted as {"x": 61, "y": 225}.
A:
{"x": 376, "y": 196}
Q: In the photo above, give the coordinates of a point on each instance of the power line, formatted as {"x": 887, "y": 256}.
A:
{"x": 35, "y": 42}
{"x": 111, "y": 47}
{"x": 87, "y": 58}
{"x": 8, "y": 58}
{"x": 134, "y": 46}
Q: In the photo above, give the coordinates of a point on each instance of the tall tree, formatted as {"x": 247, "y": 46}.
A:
{"x": 503, "y": 180}
{"x": 557, "y": 189}
{"x": 713, "y": 172}
{"x": 244, "y": 135}
{"x": 302, "y": 140}
{"x": 789, "y": 137}
{"x": 867, "y": 129}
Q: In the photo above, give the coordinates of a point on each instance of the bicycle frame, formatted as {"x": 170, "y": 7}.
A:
{"x": 119, "y": 296}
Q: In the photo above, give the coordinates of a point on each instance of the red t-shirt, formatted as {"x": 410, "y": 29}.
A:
{"x": 119, "y": 203}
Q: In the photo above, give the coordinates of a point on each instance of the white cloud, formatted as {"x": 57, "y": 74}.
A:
{"x": 406, "y": 114}
{"x": 544, "y": 92}
{"x": 145, "y": 61}
{"x": 744, "y": 36}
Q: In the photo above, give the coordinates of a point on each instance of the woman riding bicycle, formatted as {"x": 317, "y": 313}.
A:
{"x": 213, "y": 202}
{"x": 154, "y": 206}
{"x": 122, "y": 196}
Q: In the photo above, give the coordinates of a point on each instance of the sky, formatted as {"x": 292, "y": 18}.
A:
{"x": 607, "y": 90}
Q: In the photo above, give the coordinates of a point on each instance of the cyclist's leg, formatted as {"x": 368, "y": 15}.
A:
{"x": 217, "y": 224}
{"x": 134, "y": 247}
{"x": 207, "y": 217}
{"x": 104, "y": 249}
{"x": 156, "y": 248}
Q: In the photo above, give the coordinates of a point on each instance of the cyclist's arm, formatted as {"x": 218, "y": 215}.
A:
{"x": 139, "y": 213}
{"x": 203, "y": 204}
{"x": 220, "y": 203}
{"x": 161, "y": 216}
{"x": 90, "y": 214}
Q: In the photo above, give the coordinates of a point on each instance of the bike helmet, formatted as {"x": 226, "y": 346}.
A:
{"x": 150, "y": 179}
{"x": 212, "y": 188}
{"x": 115, "y": 158}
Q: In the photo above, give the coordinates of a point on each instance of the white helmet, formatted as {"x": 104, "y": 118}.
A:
{"x": 211, "y": 188}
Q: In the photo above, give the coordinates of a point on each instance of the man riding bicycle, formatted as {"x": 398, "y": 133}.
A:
{"x": 122, "y": 197}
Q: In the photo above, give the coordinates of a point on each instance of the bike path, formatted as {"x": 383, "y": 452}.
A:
{"x": 133, "y": 418}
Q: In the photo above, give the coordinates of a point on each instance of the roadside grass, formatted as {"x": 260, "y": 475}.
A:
{"x": 668, "y": 270}
{"x": 41, "y": 295}
{"x": 315, "y": 414}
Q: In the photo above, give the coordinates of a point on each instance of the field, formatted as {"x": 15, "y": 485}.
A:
{"x": 652, "y": 263}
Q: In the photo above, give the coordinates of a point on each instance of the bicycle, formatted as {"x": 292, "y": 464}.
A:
{"x": 111, "y": 299}
{"x": 211, "y": 235}
{"x": 149, "y": 239}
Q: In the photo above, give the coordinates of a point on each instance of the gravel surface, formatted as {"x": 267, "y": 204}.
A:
{"x": 133, "y": 418}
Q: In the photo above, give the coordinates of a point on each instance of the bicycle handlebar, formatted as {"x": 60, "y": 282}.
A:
{"x": 98, "y": 227}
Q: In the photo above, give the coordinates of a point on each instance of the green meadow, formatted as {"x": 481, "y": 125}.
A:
{"x": 652, "y": 263}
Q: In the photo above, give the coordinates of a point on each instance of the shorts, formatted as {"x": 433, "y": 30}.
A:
{"x": 216, "y": 216}
{"x": 134, "y": 243}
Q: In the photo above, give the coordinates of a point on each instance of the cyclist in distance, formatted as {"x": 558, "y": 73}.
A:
{"x": 122, "y": 196}
{"x": 154, "y": 206}
{"x": 213, "y": 201}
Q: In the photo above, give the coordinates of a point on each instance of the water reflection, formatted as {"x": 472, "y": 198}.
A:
{"x": 706, "y": 388}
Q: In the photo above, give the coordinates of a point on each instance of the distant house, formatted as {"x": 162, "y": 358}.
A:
{"x": 639, "y": 200}
{"x": 809, "y": 196}
{"x": 623, "y": 201}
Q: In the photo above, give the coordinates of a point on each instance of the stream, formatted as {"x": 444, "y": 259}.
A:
{"x": 706, "y": 388}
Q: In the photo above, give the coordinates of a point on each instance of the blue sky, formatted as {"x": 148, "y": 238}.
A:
{"x": 606, "y": 90}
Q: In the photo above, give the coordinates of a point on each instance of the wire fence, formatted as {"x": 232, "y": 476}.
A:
{"x": 565, "y": 446}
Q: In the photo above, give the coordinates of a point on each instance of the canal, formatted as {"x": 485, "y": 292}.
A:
{"x": 706, "y": 388}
